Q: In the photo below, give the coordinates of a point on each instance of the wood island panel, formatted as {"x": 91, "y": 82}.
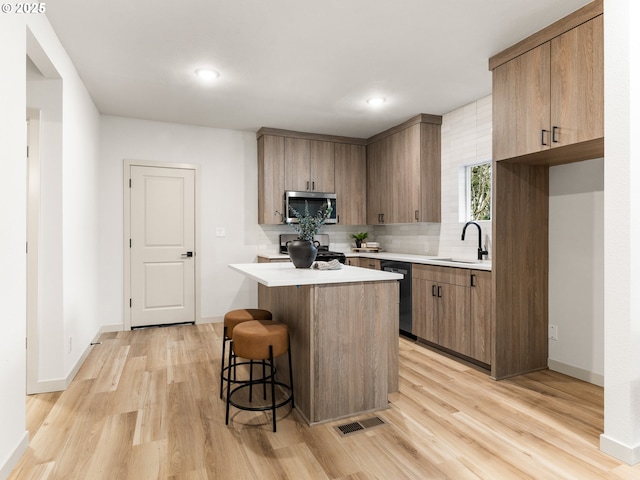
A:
{"x": 344, "y": 343}
{"x": 292, "y": 306}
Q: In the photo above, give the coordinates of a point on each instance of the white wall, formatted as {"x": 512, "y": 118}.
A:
{"x": 13, "y": 435}
{"x": 68, "y": 236}
{"x": 45, "y": 95}
{"x": 68, "y": 232}
{"x": 621, "y": 436}
{"x": 576, "y": 269}
{"x": 228, "y": 186}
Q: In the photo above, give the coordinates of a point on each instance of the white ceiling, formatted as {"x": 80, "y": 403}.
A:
{"x": 294, "y": 64}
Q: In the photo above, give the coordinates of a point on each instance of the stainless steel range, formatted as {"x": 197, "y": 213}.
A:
{"x": 324, "y": 254}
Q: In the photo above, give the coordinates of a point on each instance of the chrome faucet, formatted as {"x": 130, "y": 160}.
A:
{"x": 481, "y": 252}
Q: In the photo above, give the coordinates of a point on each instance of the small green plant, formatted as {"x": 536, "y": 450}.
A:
{"x": 308, "y": 225}
{"x": 360, "y": 236}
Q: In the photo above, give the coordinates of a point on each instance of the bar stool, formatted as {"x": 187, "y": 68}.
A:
{"x": 261, "y": 340}
{"x": 231, "y": 320}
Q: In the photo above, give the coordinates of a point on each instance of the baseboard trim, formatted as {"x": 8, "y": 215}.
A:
{"x": 15, "y": 456}
{"x": 625, "y": 453}
{"x": 575, "y": 372}
{"x": 117, "y": 327}
{"x": 61, "y": 384}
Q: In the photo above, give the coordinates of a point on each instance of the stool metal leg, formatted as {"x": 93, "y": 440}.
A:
{"x": 224, "y": 344}
{"x": 250, "y": 381}
{"x": 273, "y": 388}
{"x": 264, "y": 384}
{"x": 229, "y": 383}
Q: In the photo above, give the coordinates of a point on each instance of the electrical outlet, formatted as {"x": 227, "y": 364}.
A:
{"x": 553, "y": 332}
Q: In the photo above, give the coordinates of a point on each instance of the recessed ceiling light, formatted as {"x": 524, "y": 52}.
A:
{"x": 207, "y": 74}
{"x": 376, "y": 101}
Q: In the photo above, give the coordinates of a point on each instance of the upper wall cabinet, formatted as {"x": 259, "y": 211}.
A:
{"x": 309, "y": 165}
{"x": 297, "y": 161}
{"x": 270, "y": 178}
{"x": 548, "y": 93}
{"x": 351, "y": 183}
{"x": 403, "y": 173}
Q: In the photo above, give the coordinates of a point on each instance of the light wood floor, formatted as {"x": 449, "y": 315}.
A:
{"x": 145, "y": 405}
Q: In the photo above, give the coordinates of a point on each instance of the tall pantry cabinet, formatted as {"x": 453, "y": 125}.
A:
{"x": 548, "y": 105}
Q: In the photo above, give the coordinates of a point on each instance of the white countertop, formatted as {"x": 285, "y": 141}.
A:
{"x": 285, "y": 274}
{"x": 405, "y": 257}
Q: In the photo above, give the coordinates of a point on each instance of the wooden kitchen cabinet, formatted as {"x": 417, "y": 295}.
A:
{"x": 452, "y": 309}
{"x": 372, "y": 263}
{"x": 270, "y": 179}
{"x": 480, "y": 327}
{"x": 378, "y": 176}
{"x": 520, "y": 193}
{"x": 403, "y": 173}
{"x": 351, "y": 183}
{"x": 551, "y": 97}
{"x": 298, "y": 161}
{"x": 309, "y": 165}
{"x": 423, "y": 305}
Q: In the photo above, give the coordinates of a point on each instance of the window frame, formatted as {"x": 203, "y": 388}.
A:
{"x": 466, "y": 195}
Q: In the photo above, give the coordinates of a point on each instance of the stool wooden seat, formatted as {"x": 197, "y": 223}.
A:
{"x": 264, "y": 341}
{"x": 232, "y": 319}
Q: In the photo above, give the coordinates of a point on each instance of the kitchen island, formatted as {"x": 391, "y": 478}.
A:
{"x": 343, "y": 326}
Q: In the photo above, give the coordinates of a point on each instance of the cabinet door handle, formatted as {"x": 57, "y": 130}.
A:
{"x": 473, "y": 280}
{"x": 313, "y": 186}
{"x": 417, "y": 215}
{"x": 433, "y": 290}
{"x": 542, "y": 142}
{"x": 439, "y": 291}
{"x": 307, "y": 185}
{"x": 337, "y": 218}
{"x": 382, "y": 218}
{"x": 554, "y": 129}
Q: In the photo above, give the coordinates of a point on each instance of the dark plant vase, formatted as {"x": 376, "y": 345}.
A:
{"x": 302, "y": 252}
{"x": 358, "y": 243}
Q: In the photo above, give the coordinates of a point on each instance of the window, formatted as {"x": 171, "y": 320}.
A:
{"x": 478, "y": 191}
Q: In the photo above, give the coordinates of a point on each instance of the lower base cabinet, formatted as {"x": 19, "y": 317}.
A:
{"x": 481, "y": 316}
{"x": 452, "y": 309}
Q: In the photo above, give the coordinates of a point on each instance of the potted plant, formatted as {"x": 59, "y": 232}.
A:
{"x": 303, "y": 251}
{"x": 359, "y": 237}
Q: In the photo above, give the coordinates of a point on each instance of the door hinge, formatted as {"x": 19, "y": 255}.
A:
{"x": 130, "y": 303}
{"x": 27, "y": 248}
{"x": 129, "y": 243}
{"x": 129, "y": 183}
{"x": 27, "y": 151}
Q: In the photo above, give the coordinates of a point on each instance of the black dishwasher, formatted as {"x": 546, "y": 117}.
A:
{"x": 403, "y": 268}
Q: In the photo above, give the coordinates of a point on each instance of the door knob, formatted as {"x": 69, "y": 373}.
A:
{"x": 187, "y": 255}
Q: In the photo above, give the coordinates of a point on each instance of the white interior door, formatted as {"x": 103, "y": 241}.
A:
{"x": 162, "y": 266}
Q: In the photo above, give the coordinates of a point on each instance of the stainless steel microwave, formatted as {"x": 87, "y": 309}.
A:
{"x": 313, "y": 200}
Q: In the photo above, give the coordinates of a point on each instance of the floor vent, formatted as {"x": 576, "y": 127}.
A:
{"x": 362, "y": 425}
